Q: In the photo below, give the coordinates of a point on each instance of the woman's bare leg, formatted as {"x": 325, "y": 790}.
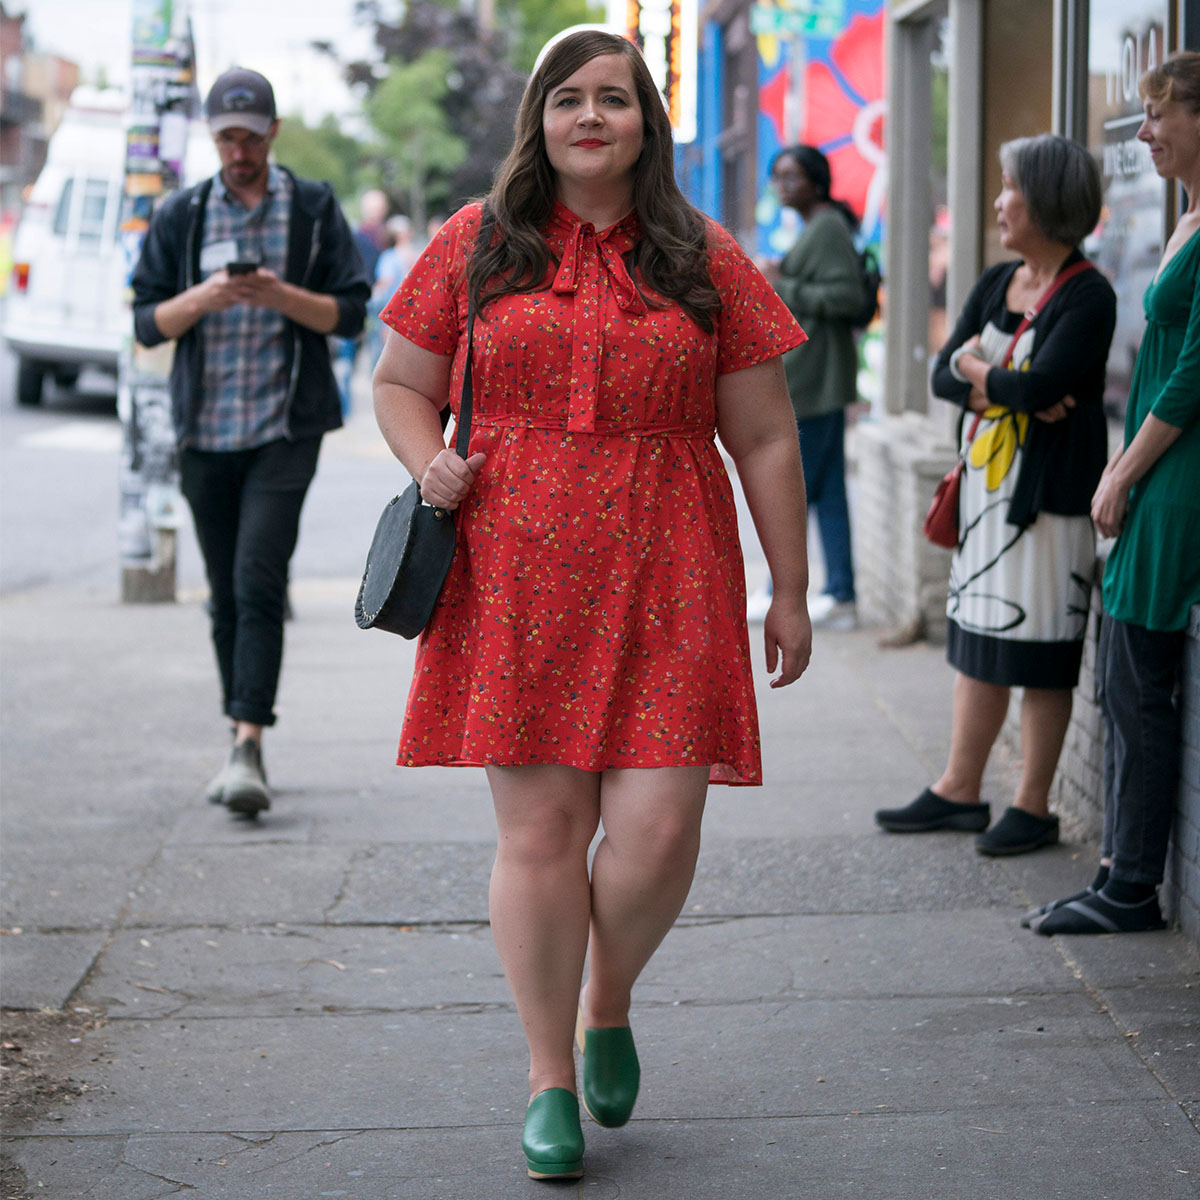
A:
{"x": 979, "y": 712}
{"x": 1045, "y": 716}
{"x": 540, "y": 901}
{"x": 641, "y": 874}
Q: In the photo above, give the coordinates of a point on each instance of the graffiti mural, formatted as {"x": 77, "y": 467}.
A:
{"x": 821, "y": 81}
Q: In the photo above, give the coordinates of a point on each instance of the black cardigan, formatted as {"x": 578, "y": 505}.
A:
{"x": 321, "y": 256}
{"x": 1062, "y": 461}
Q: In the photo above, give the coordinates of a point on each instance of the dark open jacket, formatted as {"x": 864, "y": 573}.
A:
{"x": 1062, "y": 461}
{"x": 321, "y": 256}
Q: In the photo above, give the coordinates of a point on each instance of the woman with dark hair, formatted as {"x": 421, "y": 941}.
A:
{"x": 589, "y": 648}
{"x": 1032, "y": 380}
{"x": 819, "y": 281}
{"x": 1149, "y": 499}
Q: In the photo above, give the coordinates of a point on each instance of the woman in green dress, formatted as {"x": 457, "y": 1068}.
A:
{"x": 1149, "y": 499}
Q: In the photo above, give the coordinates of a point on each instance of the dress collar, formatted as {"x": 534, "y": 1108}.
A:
{"x": 612, "y": 244}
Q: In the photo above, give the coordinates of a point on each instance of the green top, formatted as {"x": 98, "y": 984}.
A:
{"x": 1153, "y": 572}
{"x": 820, "y": 283}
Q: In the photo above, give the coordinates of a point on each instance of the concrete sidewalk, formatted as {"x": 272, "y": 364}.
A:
{"x": 312, "y": 1006}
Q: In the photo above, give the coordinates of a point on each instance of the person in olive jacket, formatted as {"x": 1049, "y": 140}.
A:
{"x": 820, "y": 281}
{"x": 249, "y": 271}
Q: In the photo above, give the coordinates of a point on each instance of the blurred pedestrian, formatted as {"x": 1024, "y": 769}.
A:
{"x": 589, "y": 649}
{"x": 250, "y": 271}
{"x": 1149, "y": 500}
{"x": 393, "y": 265}
{"x": 371, "y": 238}
{"x": 819, "y": 281}
{"x": 1020, "y": 579}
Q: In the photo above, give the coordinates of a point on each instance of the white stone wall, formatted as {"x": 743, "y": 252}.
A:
{"x": 900, "y": 577}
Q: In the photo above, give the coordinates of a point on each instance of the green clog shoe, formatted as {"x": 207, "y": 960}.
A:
{"x": 611, "y": 1073}
{"x": 553, "y": 1140}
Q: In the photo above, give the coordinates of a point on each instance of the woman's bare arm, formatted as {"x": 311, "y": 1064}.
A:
{"x": 757, "y": 427}
{"x": 411, "y": 388}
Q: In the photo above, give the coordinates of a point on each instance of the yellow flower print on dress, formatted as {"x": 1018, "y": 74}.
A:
{"x": 995, "y": 448}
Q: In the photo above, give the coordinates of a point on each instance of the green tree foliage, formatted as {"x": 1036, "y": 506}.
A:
{"x": 323, "y": 152}
{"x": 532, "y": 23}
{"x": 485, "y": 71}
{"x": 408, "y": 111}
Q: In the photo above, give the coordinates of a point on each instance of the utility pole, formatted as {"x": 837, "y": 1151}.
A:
{"x": 163, "y": 100}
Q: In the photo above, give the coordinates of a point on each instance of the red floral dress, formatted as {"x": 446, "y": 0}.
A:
{"x": 594, "y": 615}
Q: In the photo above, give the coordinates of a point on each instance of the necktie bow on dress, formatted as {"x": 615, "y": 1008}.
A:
{"x": 611, "y": 246}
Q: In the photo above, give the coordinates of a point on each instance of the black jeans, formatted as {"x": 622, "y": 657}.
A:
{"x": 1138, "y": 673}
{"x": 246, "y": 506}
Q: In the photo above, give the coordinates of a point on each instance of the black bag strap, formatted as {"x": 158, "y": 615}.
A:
{"x": 463, "y": 429}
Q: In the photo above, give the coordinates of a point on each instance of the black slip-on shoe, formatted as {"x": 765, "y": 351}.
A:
{"x": 929, "y": 812}
{"x": 1098, "y": 914}
{"x": 1018, "y": 832}
{"x": 1035, "y": 914}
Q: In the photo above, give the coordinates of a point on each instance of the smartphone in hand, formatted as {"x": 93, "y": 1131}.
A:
{"x": 241, "y": 268}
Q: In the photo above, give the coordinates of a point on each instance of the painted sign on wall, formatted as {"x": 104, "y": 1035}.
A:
{"x": 1125, "y": 38}
{"x": 822, "y": 82}
{"x": 665, "y": 30}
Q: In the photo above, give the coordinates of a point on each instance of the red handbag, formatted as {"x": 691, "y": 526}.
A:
{"x": 941, "y": 521}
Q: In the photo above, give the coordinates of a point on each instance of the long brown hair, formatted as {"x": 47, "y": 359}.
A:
{"x": 510, "y": 254}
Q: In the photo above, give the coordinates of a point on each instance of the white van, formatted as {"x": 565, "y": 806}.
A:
{"x": 64, "y": 308}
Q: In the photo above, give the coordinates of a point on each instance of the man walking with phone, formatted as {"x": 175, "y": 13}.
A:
{"x": 250, "y": 271}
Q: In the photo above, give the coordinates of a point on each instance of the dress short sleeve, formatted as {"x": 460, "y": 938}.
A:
{"x": 754, "y": 324}
{"x": 430, "y": 305}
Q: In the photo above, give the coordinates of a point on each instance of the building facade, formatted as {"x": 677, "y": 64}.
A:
{"x": 999, "y": 69}
{"x": 951, "y": 80}
{"x": 34, "y": 90}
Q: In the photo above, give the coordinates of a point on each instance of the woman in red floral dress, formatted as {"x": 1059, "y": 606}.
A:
{"x": 590, "y": 648}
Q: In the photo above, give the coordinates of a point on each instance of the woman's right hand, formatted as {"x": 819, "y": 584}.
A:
{"x": 448, "y": 479}
{"x": 1056, "y": 412}
{"x": 1110, "y": 505}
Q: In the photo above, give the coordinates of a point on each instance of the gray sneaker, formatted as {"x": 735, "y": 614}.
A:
{"x": 245, "y": 791}
{"x": 214, "y": 793}
{"x": 827, "y": 613}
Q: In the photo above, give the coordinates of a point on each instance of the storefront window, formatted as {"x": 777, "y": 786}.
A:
{"x": 1125, "y": 38}
{"x": 939, "y": 157}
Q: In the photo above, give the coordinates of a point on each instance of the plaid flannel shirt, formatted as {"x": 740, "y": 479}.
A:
{"x": 245, "y": 365}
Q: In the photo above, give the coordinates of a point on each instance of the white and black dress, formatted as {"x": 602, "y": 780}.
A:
{"x": 1021, "y": 578}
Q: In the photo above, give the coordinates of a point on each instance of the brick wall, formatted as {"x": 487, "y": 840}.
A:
{"x": 1078, "y": 790}
{"x": 1183, "y": 866}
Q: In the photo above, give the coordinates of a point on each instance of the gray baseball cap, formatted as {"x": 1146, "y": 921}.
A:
{"x": 241, "y": 99}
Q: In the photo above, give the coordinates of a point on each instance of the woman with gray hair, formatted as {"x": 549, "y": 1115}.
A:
{"x": 1026, "y": 362}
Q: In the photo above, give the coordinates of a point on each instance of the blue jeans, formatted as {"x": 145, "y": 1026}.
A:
{"x": 345, "y": 355}
{"x": 1138, "y": 672}
{"x": 823, "y": 453}
{"x": 246, "y": 506}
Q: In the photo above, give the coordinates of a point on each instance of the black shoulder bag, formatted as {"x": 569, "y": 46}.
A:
{"x": 413, "y": 545}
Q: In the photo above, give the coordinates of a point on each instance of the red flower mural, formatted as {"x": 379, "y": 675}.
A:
{"x": 844, "y": 110}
